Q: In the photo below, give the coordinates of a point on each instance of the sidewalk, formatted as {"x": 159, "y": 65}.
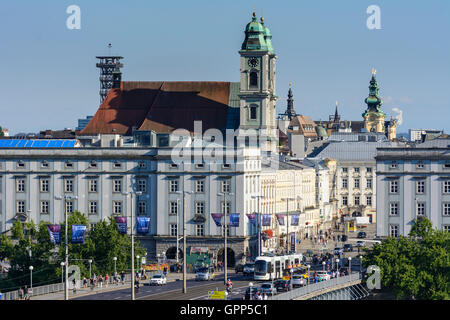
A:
{"x": 81, "y": 292}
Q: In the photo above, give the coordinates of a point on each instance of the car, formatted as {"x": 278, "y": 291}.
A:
{"x": 323, "y": 275}
{"x": 360, "y": 243}
{"x": 268, "y": 288}
{"x": 158, "y": 280}
{"x": 338, "y": 250}
{"x": 204, "y": 274}
{"x": 298, "y": 280}
{"x": 249, "y": 269}
{"x": 239, "y": 268}
{"x": 361, "y": 235}
{"x": 282, "y": 285}
{"x": 348, "y": 247}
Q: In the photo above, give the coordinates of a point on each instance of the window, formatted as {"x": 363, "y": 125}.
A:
{"x": 446, "y": 186}
{"x": 173, "y": 165}
{"x": 369, "y": 201}
{"x": 225, "y": 185}
{"x": 200, "y": 207}
{"x": 446, "y": 209}
{"x": 344, "y": 200}
{"x": 44, "y": 184}
{"x": 68, "y": 185}
{"x": 226, "y": 207}
{"x": 117, "y": 207}
{"x": 344, "y": 183}
{"x": 420, "y": 187}
{"x": 393, "y": 208}
{"x": 173, "y": 229}
{"x": 117, "y": 185}
{"x": 420, "y": 208}
{"x": 92, "y": 207}
{"x": 369, "y": 169}
{"x": 44, "y": 164}
{"x": 117, "y": 165}
{"x": 20, "y": 207}
{"x": 393, "y": 230}
{"x": 92, "y": 184}
{"x": 447, "y": 165}
{"x": 173, "y": 207}
{"x": 357, "y": 202}
{"x": 142, "y": 165}
{"x": 200, "y": 165}
{"x": 344, "y": 170}
{"x": 68, "y": 164}
{"x": 142, "y": 185}
{"x": 45, "y": 205}
{"x": 142, "y": 207}
{"x": 199, "y": 185}
{"x": 20, "y": 184}
{"x": 393, "y": 186}
{"x": 200, "y": 229}
{"x": 393, "y": 165}
{"x": 20, "y": 164}
{"x": 226, "y": 166}
{"x": 68, "y": 206}
{"x": 419, "y": 165}
{"x": 253, "y": 112}
{"x": 173, "y": 185}
{"x": 445, "y": 228}
{"x": 356, "y": 169}
{"x": 253, "y": 79}
{"x": 369, "y": 183}
{"x": 356, "y": 183}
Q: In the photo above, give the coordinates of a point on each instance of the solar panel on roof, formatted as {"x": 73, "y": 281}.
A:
{"x": 36, "y": 143}
{"x": 68, "y": 144}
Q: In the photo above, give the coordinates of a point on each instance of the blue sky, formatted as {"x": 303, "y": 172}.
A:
{"x": 49, "y": 78}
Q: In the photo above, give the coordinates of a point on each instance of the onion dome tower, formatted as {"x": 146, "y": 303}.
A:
{"x": 373, "y": 116}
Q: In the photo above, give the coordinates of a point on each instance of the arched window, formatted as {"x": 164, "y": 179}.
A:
{"x": 253, "y": 79}
{"x": 253, "y": 111}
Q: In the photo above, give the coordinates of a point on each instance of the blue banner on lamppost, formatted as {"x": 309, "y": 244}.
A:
{"x": 122, "y": 224}
{"x": 78, "y": 232}
{"x": 234, "y": 220}
{"x": 54, "y": 231}
{"x": 143, "y": 224}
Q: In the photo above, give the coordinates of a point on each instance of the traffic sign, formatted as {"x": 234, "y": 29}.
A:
{"x": 220, "y": 295}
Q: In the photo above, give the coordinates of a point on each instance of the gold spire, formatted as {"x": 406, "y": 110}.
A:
{"x": 374, "y": 72}
{"x": 290, "y": 84}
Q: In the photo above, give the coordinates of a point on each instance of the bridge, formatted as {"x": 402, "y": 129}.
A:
{"x": 348, "y": 287}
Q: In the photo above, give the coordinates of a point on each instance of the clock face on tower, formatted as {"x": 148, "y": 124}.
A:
{"x": 253, "y": 62}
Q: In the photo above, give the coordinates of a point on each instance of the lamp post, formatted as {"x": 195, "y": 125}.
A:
{"x": 250, "y": 293}
{"x": 62, "y": 271}
{"x": 138, "y": 265}
{"x": 178, "y": 228}
{"x": 259, "y": 221}
{"x": 360, "y": 264}
{"x": 323, "y": 265}
{"x": 307, "y": 280}
{"x": 349, "y": 265}
{"x": 66, "y": 286}
{"x": 31, "y": 279}
{"x": 115, "y": 270}
{"x": 184, "y": 237}
{"x": 225, "y": 224}
{"x": 337, "y": 267}
{"x": 287, "y": 224}
{"x": 90, "y": 269}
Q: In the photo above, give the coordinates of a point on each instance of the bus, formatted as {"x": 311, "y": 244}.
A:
{"x": 272, "y": 267}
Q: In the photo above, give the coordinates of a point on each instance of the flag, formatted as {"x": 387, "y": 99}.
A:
{"x": 234, "y": 220}
{"x": 78, "y": 232}
{"x": 252, "y": 218}
{"x": 294, "y": 220}
{"x": 280, "y": 218}
{"x": 142, "y": 224}
{"x": 122, "y": 224}
{"x": 217, "y": 217}
{"x": 266, "y": 220}
{"x": 54, "y": 231}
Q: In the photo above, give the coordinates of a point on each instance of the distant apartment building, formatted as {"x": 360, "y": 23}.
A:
{"x": 418, "y": 135}
{"x": 413, "y": 183}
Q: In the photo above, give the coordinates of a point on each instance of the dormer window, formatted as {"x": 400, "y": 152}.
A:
{"x": 142, "y": 165}
{"x": 117, "y": 165}
{"x": 173, "y": 166}
{"x": 393, "y": 165}
{"x": 69, "y": 164}
{"x": 44, "y": 164}
{"x": 420, "y": 165}
{"x": 20, "y": 164}
{"x": 93, "y": 164}
{"x": 200, "y": 166}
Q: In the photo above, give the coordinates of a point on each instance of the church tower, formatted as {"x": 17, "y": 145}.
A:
{"x": 257, "y": 88}
{"x": 374, "y": 117}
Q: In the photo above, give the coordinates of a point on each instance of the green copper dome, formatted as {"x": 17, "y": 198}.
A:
{"x": 373, "y": 101}
{"x": 257, "y": 36}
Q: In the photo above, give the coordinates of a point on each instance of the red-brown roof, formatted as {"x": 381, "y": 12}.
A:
{"x": 161, "y": 107}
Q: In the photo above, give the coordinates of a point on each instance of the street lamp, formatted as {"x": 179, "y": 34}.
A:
{"x": 66, "y": 286}
{"x": 337, "y": 267}
{"x": 62, "y": 271}
{"x": 138, "y": 265}
{"x": 323, "y": 265}
{"x": 360, "y": 264}
{"x": 31, "y": 279}
{"x": 349, "y": 265}
{"x": 225, "y": 225}
{"x": 287, "y": 217}
{"x": 259, "y": 221}
{"x": 308, "y": 266}
{"x": 90, "y": 264}
{"x": 184, "y": 237}
{"x": 250, "y": 293}
{"x": 115, "y": 270}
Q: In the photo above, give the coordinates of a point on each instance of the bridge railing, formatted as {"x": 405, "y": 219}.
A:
{"x": 316, "y": 287}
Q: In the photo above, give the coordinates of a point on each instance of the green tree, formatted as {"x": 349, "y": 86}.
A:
{"x": 1, "y": 132}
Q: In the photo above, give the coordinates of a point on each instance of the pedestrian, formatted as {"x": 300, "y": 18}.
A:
{"x": 84, "y": 282}
{"x": 106, "y": 280}
{"x": 26, "y": 297}
{"x": 122, "y": 277}
{"x": 266, "y": 297}
{"x": 74, "y": 286}
{"x": 21, "y": 293}
{"x": 165, "y": 272}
